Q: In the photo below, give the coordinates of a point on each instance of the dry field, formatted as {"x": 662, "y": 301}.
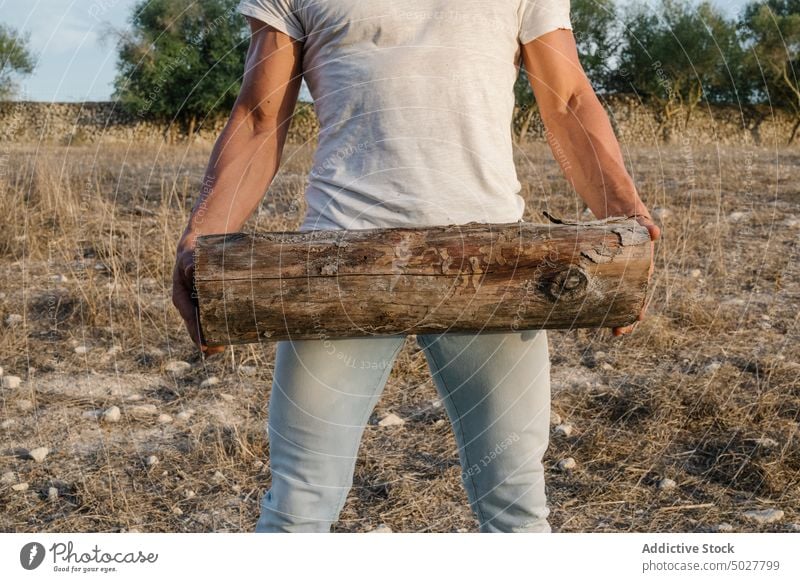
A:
{"x": 705, "y": 393}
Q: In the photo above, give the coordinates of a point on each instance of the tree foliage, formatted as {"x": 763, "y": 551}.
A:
{"x": 182, "y": 61}
{"x": 15, "y": 59}
{"x": 771, "y": 33}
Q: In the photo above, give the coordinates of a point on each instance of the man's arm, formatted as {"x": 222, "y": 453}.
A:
{"x": 580, "y": 133}
{"x": 245, "y": 157}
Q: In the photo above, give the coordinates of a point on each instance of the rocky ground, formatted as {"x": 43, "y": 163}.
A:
{"x": 110, "y": 422}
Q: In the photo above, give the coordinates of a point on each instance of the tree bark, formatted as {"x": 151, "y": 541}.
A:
{"x": 472, "y": 277}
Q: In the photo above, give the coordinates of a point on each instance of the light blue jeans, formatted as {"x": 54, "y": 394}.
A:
{"x": 495, "y": 388}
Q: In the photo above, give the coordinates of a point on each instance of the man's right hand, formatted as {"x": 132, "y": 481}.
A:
{"x": 185, "y": 299}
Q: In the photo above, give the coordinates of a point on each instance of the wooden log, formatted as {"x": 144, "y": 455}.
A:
{"x": 472, "y": 277}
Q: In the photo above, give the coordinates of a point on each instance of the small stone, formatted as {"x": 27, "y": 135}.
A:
{"x": 391, "y": 419}
{"x": 177, "y": 511}
{"x": 767, "y": 443}
{"x": 712, "y": 367}
{"x": 567, "y": 464}
{"x": 177, "y": 368}
{"x": 24, "y": 405}
{"x": 20, "y": 486}
{"x": 151, "y": 461}
{"x": 382, "y": 528}
{"x": 113, "y": 350}
{"x": 227, "y": 397}
{"x": 792, "y": 223}
{"x": 142, "y": 410}
{"x": 164, "y": 419}
{"x": 52, "y": 494}
{"x": 723, "y": 527}
{"x": 111, "y": 414}
{"x": 661, "y": 213}
{"x": 606, "y": 366}
{"x": 695, "y": 273}
{"x": 13, "y": 319}
{"x": 156, "y": 353}
{"x": 11, "y": 382}
{"x": 218, "y": 477}
{"x": 189, "y": 494}
{"x": 38, "y": 454}
{"x": 8, "y": 423}
{"x": 764, "y": 516}
{"x": 185, "y": 414}
{"x": 248, "y": 370}
{"x": 209, "y": 382}
{"x": 555, "y": 418}
{"x": 794, "y": 527}
{"x": 563, "y": 429}
{"x": 7, "y": 478}
{"x": 81, "y": 350}
{"x": 1, "y": 370}
{"x": 736, "y": 216}
{"x": 92, "y": 414}
{"x": 666, "y": 484}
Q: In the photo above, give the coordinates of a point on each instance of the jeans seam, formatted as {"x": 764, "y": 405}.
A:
{"x": 474, "y": 487}
{"x": 362, "y": 424}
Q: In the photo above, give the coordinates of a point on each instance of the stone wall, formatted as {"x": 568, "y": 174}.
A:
{"x": 635, "y": 124}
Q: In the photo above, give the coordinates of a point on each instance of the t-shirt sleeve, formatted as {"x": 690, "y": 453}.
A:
{"x": 538, "y": 17}
{"x": 279, "y": 14}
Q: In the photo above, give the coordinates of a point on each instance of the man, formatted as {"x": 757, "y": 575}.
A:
{"x": 415, "y": 101}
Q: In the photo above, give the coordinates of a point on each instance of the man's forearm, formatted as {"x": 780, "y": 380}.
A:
{"x": 243, "y": 163}
{"x": 583, "y": 142}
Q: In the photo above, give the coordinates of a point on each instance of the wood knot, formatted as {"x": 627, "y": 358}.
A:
{"x": 567, "y": 283}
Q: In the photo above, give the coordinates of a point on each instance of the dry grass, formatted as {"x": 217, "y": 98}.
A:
{"x": 86, "y": 252}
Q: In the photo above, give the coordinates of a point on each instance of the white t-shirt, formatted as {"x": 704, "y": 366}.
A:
{"x": 415, "y": 100}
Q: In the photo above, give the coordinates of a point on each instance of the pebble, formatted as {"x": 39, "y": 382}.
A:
{"x": 666, "y": 484}
{"x": 563, "y": 429}
{"x": 11, "y": 382}
{"x": 209, "y": 382}
{"x": 8, "y": 423}
{"x": 555, "y": 418}
{"x": 1, "y": 370}
{"x": 567, "y": 464}
{"x": 113, "y": 350}
{"x": 38, "y": 454}
{"x": 792, "y": 223}
{"x": 767, "y": 443}
{"x": 382, "y": 528}
{"x": 606, "y": 366}
{"x": 24, "y": 405}
{"x": 764, "y": 516}
{"x": 81, "y": 350}
{"x": 695, "y": 273}
{"x": 189, "y": 494}
{"x": 794, "y": 527}
{"x": 736, "y": 216}
{"x": 164, "y": 419}
{"x": 185, "y": 414}
{"x": 151, "y": 461}
{"x": 20, "y": 486}
{"x": 391, "y": 419}
{"x": 52, "y": 494}
{"x": 177, "y": 511}
{"x": 661, "y": 213}
{"x": 111, "y": 414}
{"x": 723, "y": 527}
{"x": 177, "y": 368}
{"x": 59, "y": 278}
{"x": 13, "y": 319}
{"x": 248, "y": 370}
{"x": 712, "y": 367}
{"x": 226, "y": 397}
{"x": 7, "y": 478}
{"x": 142, "y": 410}
{"x": 218, "y": 477}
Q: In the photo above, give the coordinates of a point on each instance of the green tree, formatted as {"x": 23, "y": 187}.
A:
{"x": 771, "y": 29}
{"x": 675, "y": 56}
{"x": 182, "y": 61}
{"x": 15, "y": 59}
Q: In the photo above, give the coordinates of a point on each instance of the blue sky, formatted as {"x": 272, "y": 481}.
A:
{"x": 74, "y": 61}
